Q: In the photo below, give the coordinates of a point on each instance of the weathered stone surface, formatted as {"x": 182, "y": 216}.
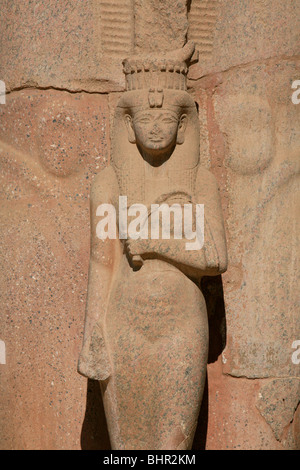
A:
{"x": 241, "y": 413}
{"x": 79, "y": 46}
{"x": 250, "y": 139}
{"x": 277, "y": 402}
{"x": 259, "y": 147}
{"x": 229, "y": 34}
{"x": 233, "y": 421}
{"x": 44, "y": 253}
{"x": 64, "y": 44}
{"x": 253, "y": 140}
{"x": 160, "y": 25}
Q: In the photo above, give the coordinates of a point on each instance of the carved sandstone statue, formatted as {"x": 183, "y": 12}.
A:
{"x": 146, "y": 331}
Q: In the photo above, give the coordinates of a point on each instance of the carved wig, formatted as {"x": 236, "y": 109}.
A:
{"x": 156, "y": 83}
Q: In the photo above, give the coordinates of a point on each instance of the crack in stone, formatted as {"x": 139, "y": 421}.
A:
{"x": 51, "y": 87}
{"x": 265, "y": 61}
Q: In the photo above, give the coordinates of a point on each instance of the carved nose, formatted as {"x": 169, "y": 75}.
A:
{"x": 155, "y": 129}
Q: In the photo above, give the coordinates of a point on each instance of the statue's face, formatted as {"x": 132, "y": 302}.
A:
{"x": 156, "y": 129}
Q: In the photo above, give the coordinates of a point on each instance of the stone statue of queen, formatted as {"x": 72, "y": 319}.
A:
{"x": 146, "y": 327}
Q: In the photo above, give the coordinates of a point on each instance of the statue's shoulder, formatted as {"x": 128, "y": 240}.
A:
{"x": 104, "y": 184}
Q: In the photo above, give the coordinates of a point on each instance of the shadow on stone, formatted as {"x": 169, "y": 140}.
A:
{"x": 212, "y": 289}
{"x": 94, "y": 433}
{"x": 201, "y": 431}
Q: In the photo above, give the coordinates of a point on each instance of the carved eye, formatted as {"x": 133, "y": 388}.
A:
{"x": 144, "y": 120}
{"x": 168, "y": 120}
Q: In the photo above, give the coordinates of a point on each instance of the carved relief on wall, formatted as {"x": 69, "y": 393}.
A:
{"x": 259, "y": 123}
{"x": 51, "y": 145}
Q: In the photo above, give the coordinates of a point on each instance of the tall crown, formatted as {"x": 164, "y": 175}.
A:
{"x": 166, "y": 71}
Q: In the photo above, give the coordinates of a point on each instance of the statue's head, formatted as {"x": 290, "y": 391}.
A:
{"x": 154, "y": 128}
{"x": 156, "y": 114}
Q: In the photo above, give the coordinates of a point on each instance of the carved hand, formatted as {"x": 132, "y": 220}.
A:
{"x": 137, "y": 247}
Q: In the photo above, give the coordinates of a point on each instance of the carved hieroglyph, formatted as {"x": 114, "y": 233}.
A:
{"x": 116, "y": 23}
{"x": 146, "y": 334}
{"x": 202, "y": 21}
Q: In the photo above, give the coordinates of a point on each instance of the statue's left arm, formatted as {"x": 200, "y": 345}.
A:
{"x": 211, "y": 259}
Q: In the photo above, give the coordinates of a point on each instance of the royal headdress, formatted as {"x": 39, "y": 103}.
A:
{"x": 167, "y": 70}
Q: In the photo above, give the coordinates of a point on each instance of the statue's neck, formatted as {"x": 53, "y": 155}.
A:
{"x": 156, "y": 171}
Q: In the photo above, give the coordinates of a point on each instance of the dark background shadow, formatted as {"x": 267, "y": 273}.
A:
{"x": 94, "y": 433}
{"x": 212, "y": 289}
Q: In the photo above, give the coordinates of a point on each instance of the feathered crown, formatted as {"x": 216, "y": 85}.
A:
{"x": 166, "y": 71}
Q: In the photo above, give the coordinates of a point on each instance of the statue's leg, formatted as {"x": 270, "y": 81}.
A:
{"x": 159, "y": 354}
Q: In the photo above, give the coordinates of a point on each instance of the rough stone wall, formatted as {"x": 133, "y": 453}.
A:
{"x": 248, "y": 60}
{"x": 61, "y": 63}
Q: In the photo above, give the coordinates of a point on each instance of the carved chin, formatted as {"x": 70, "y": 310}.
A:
{"x": 156, "y": 145}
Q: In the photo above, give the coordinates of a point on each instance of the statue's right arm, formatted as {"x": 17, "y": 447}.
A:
{"x": 104, "y": 256}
